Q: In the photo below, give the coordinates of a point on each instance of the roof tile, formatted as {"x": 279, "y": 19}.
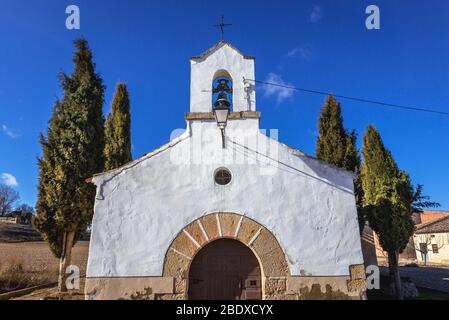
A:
{"x": 436, "y": 226}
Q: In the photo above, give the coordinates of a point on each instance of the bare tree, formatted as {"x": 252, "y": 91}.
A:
{"x": 8, "y": 197}
{"x": 423, "y": 241}
{"x": 24, "y": 213}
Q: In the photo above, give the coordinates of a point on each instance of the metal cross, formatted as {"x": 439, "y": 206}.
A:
{"x": 222, "y": 25}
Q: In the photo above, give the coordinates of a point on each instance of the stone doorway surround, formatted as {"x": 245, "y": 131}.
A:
{"x": 215, "y": 226}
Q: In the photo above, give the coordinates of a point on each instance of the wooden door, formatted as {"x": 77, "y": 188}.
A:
{"x": 225, "y": 269}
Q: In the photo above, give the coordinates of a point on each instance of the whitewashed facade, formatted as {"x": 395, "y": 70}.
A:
{"x": 144, "y": 208}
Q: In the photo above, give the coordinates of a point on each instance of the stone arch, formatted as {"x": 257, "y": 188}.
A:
{"x": 192, "y": 238}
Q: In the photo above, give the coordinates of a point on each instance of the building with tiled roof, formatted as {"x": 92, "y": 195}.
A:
{"x": 431, "y": 241}
{"x": 437, "y": 226}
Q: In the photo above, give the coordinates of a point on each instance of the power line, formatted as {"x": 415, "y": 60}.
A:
{"x": 385, "y": 104}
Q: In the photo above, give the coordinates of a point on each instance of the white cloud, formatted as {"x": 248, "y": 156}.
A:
{"x": 10, "y": 133}
{"x": 9, "y": 179}
{"x": 279, "y": 93}
{"x": 315, "y": 14}
{"x": 303, "y": 52}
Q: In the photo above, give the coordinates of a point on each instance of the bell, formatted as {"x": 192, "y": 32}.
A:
{"x": 222, "y": 101}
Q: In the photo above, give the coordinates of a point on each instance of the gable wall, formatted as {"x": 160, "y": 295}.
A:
{"x": 307, "y": 205}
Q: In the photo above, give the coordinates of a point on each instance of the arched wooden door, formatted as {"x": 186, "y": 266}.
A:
{"x": 225, "y": 269}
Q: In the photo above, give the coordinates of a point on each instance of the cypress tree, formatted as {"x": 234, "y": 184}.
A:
{"x": 332, "y": 139}
{"x": 388, "y": 200}
{"x": 72, "y": 152}
{"x": 337, "y": 146}
{"x": 117, "y": 150}
{"x": 45, "y": 219}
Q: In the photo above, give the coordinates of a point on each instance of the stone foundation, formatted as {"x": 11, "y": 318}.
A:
{"x": 275, "y": 288}
{"x": 129, "y": 288}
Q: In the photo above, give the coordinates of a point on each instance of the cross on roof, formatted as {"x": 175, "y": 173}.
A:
{"x": 222, "y": 25}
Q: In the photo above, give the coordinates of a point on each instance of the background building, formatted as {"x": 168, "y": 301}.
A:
{"x": 431, "y": 241}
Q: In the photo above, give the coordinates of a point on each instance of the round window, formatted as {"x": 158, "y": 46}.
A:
{"x": 222, "y": 176}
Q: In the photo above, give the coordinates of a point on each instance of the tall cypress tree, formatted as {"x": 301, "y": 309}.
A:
{"x": 388, "y": 200}
{"x": 72, "y": 152}
{"x": 45, "y": 219}
{"x": 117, "y": 150}
{"x": 337, "y": 146}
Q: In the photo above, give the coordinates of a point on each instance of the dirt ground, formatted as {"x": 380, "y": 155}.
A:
{"x": 37, "y": 260}
{"x": 36, "y": 256}
{"x": 52, "y": 294}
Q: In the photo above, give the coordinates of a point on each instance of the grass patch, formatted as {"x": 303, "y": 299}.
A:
{"x": 13, "y": 276}
{"x": 428, "y": 294}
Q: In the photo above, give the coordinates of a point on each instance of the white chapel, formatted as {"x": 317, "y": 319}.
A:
{"x": 224, "y": 210}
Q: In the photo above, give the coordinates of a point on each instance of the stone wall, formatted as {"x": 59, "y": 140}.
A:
{"x": 369, "y": 246}
{"x": 128, "y": 288}
{"x": 8, "y": 220}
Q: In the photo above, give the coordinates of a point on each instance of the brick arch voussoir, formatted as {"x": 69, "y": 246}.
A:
{"x": 192, "y": 238}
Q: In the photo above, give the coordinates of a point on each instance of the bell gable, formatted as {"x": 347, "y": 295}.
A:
{"x": 222, "y": 60}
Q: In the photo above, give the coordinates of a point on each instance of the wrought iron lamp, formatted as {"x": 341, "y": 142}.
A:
{"x": 222, "y": 108}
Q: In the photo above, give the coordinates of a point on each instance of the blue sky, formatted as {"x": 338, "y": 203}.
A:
{"x": 321, "y": 45}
